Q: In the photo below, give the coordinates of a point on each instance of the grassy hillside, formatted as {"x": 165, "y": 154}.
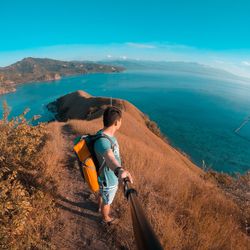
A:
{"x": 187, "y": 207}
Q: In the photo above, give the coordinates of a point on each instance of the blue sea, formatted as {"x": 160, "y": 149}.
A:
{"x": 198, "y": 114}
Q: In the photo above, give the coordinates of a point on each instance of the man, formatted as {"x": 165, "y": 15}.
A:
{"x": 108, "y": 156}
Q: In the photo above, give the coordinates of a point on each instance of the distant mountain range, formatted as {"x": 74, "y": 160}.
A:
{"x": 178, "y": 67}
{"x": 42, "y": 69}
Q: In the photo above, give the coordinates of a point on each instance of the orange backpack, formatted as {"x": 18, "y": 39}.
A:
{"x": 88, "y": 163}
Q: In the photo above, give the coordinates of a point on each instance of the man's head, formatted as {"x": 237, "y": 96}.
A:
{"x": 112, "y": 116}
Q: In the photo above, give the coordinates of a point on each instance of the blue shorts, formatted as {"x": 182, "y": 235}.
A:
{"x": 108, "y": 194}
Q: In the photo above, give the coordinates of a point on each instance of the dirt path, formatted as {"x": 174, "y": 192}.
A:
{"x": 78, "y": 225}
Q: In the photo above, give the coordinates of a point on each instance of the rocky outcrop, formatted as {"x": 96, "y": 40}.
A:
{"x": 80, "y": 105}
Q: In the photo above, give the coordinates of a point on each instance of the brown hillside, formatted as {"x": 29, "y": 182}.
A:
{"x": 187, "y": 210}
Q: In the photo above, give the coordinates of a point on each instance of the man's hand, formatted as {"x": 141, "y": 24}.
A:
{"x": 126, "y": 174}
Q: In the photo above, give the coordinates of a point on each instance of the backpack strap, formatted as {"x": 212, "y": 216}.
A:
{"x": 99, "y": 136}
{"x": 107, "y": 137}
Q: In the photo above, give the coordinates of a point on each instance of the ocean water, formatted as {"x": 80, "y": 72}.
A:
{"x": 198, "y": 114}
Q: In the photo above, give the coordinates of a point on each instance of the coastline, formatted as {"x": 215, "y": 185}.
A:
{"x": 32, "y": 70}
{"x": 4, "y": 91}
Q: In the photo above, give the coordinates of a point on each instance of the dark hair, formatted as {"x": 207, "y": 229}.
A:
{"x": 111, "y": 115}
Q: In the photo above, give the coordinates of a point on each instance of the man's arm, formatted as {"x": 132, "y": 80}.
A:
{"x": 111, "y": 160}
{"x": 113, "y": 164}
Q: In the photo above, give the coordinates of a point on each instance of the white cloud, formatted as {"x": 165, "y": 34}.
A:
{"x": 219, "y": 61}
{"x": 109, "y": 56}
{"x": 245, "y": 63}
{"x": 173, "y": 46}
{"x": 141, "y": 45}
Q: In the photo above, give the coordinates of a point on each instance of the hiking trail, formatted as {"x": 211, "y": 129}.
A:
{"x": 78, "y": 224}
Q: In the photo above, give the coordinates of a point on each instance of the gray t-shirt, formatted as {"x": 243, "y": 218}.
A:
{"x": 107, "y": 178}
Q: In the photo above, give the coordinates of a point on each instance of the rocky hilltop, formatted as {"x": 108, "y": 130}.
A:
{"x": 42, "y": 69}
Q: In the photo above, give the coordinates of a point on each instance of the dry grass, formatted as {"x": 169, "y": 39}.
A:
{"x": 186, "y": 210}
{"x": 152, "y": 126}
{"x": 27, "y": 207}
{"x": 53, "y": 153}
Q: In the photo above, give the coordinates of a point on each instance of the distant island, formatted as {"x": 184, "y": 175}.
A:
{"x": 43, "y": 69}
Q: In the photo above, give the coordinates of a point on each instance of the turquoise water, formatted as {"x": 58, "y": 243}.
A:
{"x": 198, "y": 114}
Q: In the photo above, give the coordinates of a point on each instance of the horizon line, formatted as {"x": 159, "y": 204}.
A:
{"x": 237, "y": 61}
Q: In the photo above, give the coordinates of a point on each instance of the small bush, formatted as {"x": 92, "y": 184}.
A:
{"x": 26, "y": 209}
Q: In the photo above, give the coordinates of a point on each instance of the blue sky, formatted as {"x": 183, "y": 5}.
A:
{"x": 211, "y": 32}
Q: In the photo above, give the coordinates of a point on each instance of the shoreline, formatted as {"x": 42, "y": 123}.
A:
{"x": 32, "y": 70}
{"x": 4, "y": 91}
